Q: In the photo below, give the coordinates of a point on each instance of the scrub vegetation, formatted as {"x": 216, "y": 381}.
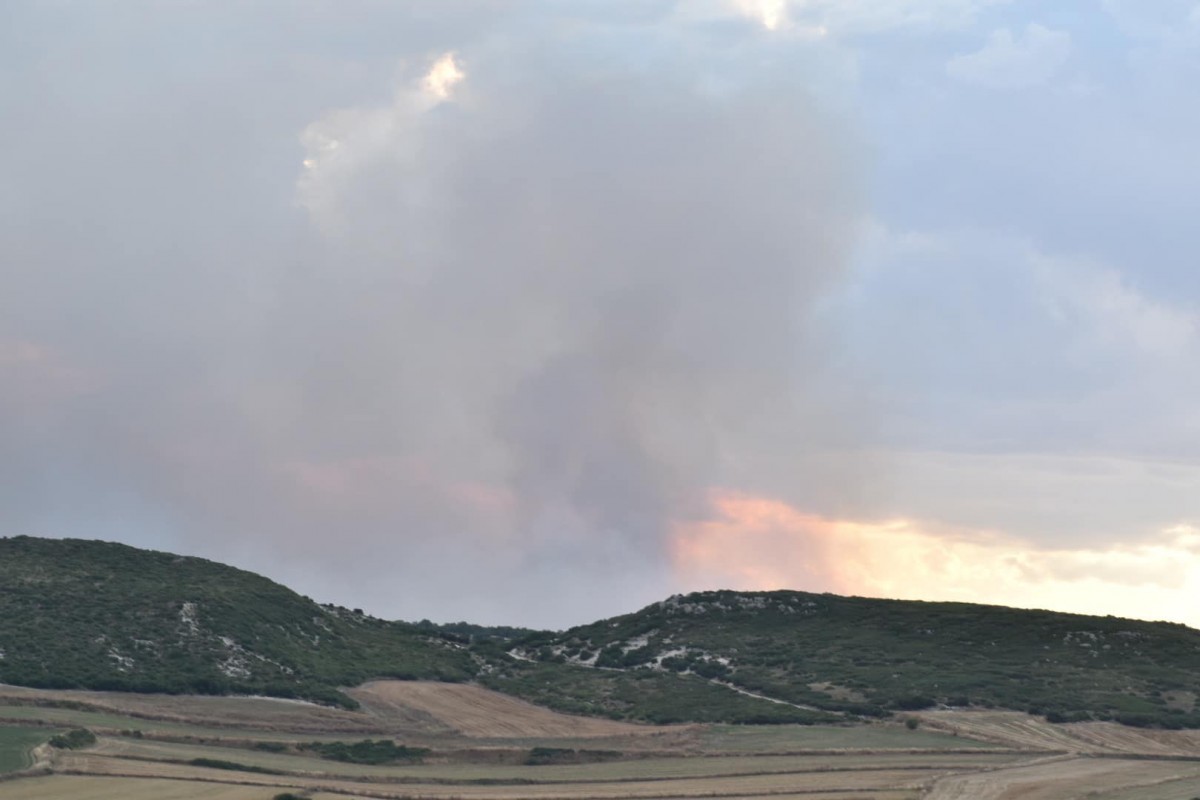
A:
{"x": 97, "y": 615}
{"x": 871, "y": 658}
{"x": 93, "y": 615}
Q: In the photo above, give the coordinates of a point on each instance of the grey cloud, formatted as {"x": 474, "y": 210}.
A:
{"x": 540, "y": 321}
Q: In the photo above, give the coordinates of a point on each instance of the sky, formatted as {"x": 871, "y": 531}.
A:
{"x": 538, "y": 311}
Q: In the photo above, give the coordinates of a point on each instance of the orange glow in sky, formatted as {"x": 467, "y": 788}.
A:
{"x": 759, "y": 543}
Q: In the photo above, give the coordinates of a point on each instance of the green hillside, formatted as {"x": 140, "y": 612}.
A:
{"x": 86, "y": 614}
{"x": 869, "y": 657}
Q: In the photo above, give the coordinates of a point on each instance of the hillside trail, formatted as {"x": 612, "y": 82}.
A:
{"x": 776, "y": 700}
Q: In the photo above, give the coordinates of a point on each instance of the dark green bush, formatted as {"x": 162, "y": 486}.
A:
{"x": 75, "y": 739}
{"x": 367, "y": 751}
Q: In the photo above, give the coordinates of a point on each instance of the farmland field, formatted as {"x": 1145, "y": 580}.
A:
{"x": 463, "y": 741}
{"x": 56, "y": 787}
{"x": 792, "y": 738}
{"x": 1063, "y": 778}
{"x": 1014, "y": 729}
{"x": 642, "y": 768}
{"x": 475, "y": 711}
{"x": 15, "y": 744}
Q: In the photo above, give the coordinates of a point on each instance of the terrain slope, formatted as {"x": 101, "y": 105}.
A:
{"x": 96, "y": 615}
{"x": 869, "y": 657}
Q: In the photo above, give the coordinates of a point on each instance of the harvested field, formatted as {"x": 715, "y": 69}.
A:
{"x": 834, "y": 781}
{"x": 105, "y": 722}
{"x": 1014, "y": 729}
{"x": 57, "y": 787}
{"x": 1174, "y": 789}
{"x": 625, "y": 770}
{"x": 479, "y": 741}
{"x": 478, "y": 712}
{"x": 797, "y": 738}
{"x": 225, "y": 712}
{"x": 1122, "y": 739}
{"x": 1065, "y": 779}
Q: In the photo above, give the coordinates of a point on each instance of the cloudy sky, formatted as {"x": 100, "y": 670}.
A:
{"x": 536, "y": 311}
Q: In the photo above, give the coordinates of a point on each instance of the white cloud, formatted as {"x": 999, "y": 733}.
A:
{"x": 1159, "y": 20}
{"x": 1008, "y": 62}
{"x": 443, "y": 76}
{"x": 844, "y": 17}
{"x": 773, "y": 14}
{"x": 1101, "y": 306}
{"x": 872, "y": 16}
{"x": 344, "y": 143}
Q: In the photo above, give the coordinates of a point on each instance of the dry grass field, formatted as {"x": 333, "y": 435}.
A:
{"x": 654, "y": 768}
{"x": 1065, "y": 779}
{"x": 202, "y": 710}
{"x": 843, "y": 780}
{"x": 1014, "y": 729}
{"x": 99, "y": 788}
{"x": 180, "y": 748}
{"x": 477, "y": 712}
{"x": 58, "y": 787}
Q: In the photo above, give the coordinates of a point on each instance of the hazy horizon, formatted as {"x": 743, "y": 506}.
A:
{"x": 533, "y": 312}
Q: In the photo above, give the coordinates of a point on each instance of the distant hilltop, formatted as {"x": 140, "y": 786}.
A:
{"x": 98, "y": 615}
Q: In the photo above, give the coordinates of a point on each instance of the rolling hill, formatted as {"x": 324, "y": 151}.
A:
{"x": 96, "y": 615}
{"x": 870, "y": 657}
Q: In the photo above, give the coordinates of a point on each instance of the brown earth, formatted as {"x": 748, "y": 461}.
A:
{"x": 477, "y": 712}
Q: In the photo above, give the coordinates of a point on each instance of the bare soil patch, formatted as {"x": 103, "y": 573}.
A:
{"x": 478, "y": 712}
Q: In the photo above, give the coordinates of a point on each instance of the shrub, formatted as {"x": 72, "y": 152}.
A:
{"x": 914, "y": 703}
{"x": 367, "y": 751}
{"x": 217, "y": 763}
{"x": 74, "y": 739}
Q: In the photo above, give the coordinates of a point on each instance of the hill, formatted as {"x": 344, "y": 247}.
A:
{"x": 870, "y": 657}
{"x": 96, "y": 615}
